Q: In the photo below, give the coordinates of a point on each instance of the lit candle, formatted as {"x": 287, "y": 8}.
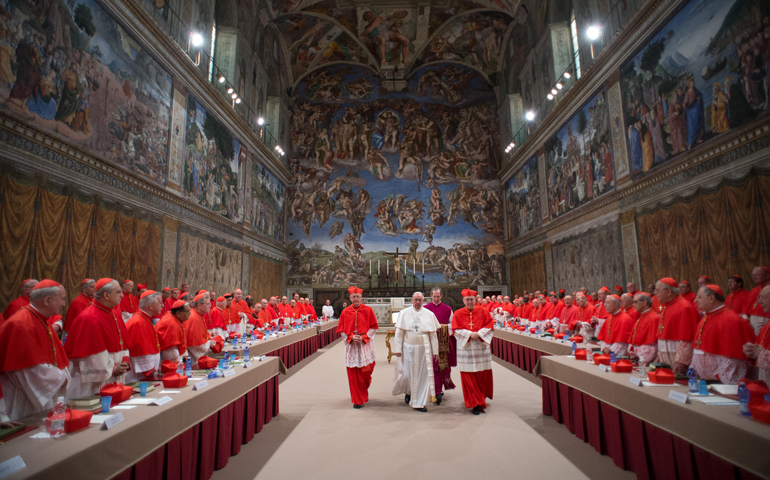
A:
{"x": 423, "y": 265}
{"x": 387, "y": 267}
{"x": 414, "y": 265}
{"x": 378, "y": 266}
{"x": 370, "y": 266}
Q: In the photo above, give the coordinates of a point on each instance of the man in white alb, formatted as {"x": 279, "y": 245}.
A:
{"x": 417, "y": 345}
{"x": 327, "y": 311}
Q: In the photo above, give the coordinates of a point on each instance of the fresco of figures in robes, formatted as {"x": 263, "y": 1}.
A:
{"x": 523, "y": 200}
{"x": 268, "y": 197}
{"x": 681, "y": 90}
{"x": 70, "y": 69}
{"x": 213, "y": 164}
{"x": 414, "y": 171}
{"x": 580, "y": 165}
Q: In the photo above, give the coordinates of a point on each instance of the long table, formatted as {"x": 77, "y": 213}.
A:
{"x": 327, "y": 331}
{"x": 524, "y": 350}
{"x": 291, "y": 348}
{"x": 189, "y": 437}
{"x": 645, "y": 431}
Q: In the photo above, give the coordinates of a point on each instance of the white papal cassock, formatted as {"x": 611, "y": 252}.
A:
{"x": 416, "y": 340}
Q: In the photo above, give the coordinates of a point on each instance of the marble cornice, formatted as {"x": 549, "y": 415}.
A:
{"x": 605, "y": 67}
{"x": 165, "y": 50}
{"x": 32, "y": 149}
{"x": 747, "y": 143}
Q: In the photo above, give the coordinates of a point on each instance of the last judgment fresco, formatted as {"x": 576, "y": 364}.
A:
{"x": 394, "y": 186}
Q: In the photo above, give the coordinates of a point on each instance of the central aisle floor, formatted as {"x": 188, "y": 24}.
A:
{"x": 319, "y": 435}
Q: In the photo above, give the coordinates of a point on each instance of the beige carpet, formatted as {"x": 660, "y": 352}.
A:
{"x": 319, "y": 435}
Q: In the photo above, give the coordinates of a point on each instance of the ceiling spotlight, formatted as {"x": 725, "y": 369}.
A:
{"x": 237, "y": 100}
{"x": 196, "y": 39}
{"x": 559, "y": 86}
{"x": 553, "y": 91}
{"x": 567, "y": 75}
{"x": 221, "y": 79}
{"x": 234, "y": 95}
{"x": 230, "y": 90}
{"x": 530, "y": 115}
{"x": 260, "y": 121}
{"x": 549, "y": 96}
{"x": 277, "y": 147}
{"x": 593, "y": 32}
{"x": 511, "y": 145}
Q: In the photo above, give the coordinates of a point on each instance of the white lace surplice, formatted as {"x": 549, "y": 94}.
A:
{"x": 360, "y": 354}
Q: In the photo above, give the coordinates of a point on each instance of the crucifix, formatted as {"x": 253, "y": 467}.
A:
{"x": 471, "y": 322}
{"x": 396, "y": 264}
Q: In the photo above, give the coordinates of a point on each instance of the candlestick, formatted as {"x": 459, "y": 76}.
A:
{"x": 387, "y": 267}
{"x": 423, "y": 265}
{"x": 370, "y": 267}
{"x": 378, "y": 266}
{"x": 414, "y": 266}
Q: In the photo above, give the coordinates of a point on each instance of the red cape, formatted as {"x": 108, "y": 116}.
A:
{"x": 144, "y": 339}
{"x": 95, "y": 330}
{"x": 568, "y": 314}
{"x": 462, "y": 318}
{"x": 631, "y": 312}
{"x": 601, "y": 312}
{"x": 753, "y": 307}
{"x": 723, "y": 332}
{"x": 15, "y": 306}
{"x": 195, "y": 327}
{"x": 763, "y": 339}
{"x": 27, "y": 340}
{"x": 230, "y": 315}
{"x": 690, "y": 297}
{"x": 617, "y": 328}
{"x": 738, "y": 301}
{"x": 217, "y": 318}
{"x": 583, "y": 314}
{"x": 359, "y": 320}
{"x": 129, "y": 303}
{"x": 558, "y": 307}
{"x": 263, "y": 318}
{"x": 526, "y": 310}
{"x": 76, "y": 306}
{"x": 545, "y": 312}
{"x": 171, "y": 333}
{"x": 285, "y": 310}
{"x": 644, "y": 329}
{"x": 678, "y": 320}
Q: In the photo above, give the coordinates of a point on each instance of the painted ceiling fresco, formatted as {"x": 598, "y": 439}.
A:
{"x": 317, "y": 33}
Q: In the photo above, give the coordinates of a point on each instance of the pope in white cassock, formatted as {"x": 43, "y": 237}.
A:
{"x": 416, "y": 344}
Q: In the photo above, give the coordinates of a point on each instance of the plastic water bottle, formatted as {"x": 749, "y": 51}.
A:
{"x": 574, "y": 348}
{"x": 58, "y": 417}
{"x": 227, "y": 359}
{"x": 589, "y": 355}
{"x": 180, "y": 368}
{"x": 188, "y": 368}
{"x": 246, "y": 356}
{"x": 613, "y": 357}
{"x": 253, "y": 336}
{"x": 692, "y": 381}
{"x": 743, "y": 399}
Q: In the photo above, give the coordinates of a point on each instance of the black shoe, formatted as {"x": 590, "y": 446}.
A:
{"x": 476, "y": 410}
{"x": 407, "y": 399}
{"x": 358, "y": 405}
{"x": 423, "y": 409}
{"x": 439, "y": 397}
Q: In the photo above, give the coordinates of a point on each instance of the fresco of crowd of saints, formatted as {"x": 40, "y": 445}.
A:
{"x": 213, "y": 164}
{"x": 384, "y": 170}
{"x": 70, "y": 69}
{"x": 580, "y": 164}
{"x": 268, "y": 197}
{"x": 523, "y": 200}
{"x": 680, "y": 91}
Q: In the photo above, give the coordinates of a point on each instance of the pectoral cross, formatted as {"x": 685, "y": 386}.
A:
{"x": 471, "y": 322}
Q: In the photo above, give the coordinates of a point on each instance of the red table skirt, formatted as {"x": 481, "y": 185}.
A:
{"x": 207, "y": 446}
{"x": 523, "y": 357}
{"x": 328, "y": 337}
{"x": 633, "y": 444}
{"x": 292, "y": 354}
